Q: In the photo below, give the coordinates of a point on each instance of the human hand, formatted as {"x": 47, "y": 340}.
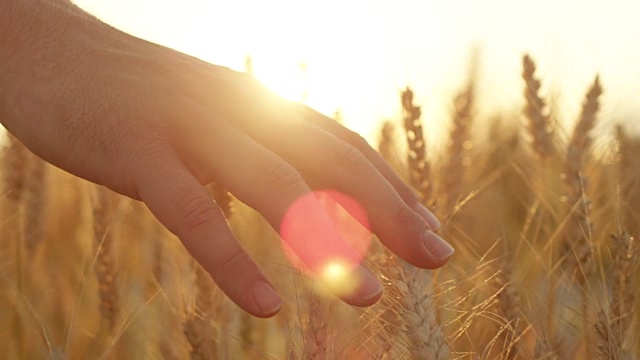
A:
{"x": 156, "y": 125}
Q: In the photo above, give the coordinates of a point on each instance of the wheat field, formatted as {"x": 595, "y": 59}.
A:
{"x": 544, "y": 225}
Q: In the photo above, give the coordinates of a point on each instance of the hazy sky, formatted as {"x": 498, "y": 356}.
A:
{"x": 360, "y": 54}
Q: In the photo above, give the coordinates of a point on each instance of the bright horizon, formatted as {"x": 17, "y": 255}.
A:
{"x": 360, "y": 54}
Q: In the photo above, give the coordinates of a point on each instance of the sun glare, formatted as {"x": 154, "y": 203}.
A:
{"x": 326, "y": 234}
{"x": 334, "y": 271}
{"x": 338, "y": 277}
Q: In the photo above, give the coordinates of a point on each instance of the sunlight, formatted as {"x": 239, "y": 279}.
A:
{"x": 326, "y": 234}
{"x": 356, "y": 56}
{"x": 336, "y": 276}
{"x": 334, "y": 271}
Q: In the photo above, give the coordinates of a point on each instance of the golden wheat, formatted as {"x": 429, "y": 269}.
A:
{"x": 459, "y": 146}
{"x": 419, "y": 166}
{"x": 107, "y": 281}
{"x": 539, "y": 127}
{"x": 104, "y": 216}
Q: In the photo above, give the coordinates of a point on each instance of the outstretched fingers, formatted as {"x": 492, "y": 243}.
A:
{"x": 179, "y": 201}
{"x": 331, "y": 163}
{"x": 374, "y": 157}
{"x": 269, "y": 184}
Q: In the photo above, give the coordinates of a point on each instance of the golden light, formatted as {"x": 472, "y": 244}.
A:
{"x": 338, "y": 276}
{"x": 360, "y": 54}
{"x": 334, "y": 270}
{"x": 326, "y": 234}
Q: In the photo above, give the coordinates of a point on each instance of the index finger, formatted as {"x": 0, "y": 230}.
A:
{"x": 357, "y": 141}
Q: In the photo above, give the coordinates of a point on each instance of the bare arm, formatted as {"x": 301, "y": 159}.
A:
{"x": 155, "y": 125}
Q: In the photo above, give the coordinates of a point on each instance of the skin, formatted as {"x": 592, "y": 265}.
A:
{"x": 156, "y": 125}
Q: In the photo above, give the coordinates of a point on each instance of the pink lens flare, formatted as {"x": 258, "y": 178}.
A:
{"x": 326, "y": 234}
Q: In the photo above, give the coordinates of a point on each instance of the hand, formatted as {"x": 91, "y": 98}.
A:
{"x": 155, "y": 125}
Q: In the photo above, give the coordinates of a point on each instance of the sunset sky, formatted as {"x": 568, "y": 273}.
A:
{"x": 360, "y": 54}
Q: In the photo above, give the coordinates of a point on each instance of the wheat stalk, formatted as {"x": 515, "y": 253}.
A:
{"x": 419, "y": 167}
{"x": 35, "y": 201}
{"x": 459, "y": 145}
{"x": 104, "y": 214}
{"x": 578, "y": 228}
{"x": 548, "y": 350}
{"x": 387, "y": 146}
{"x": 385, "y": 322}
{"x": 15, "y": 164}
{"x": 613, "y": 325}
{"x": 509, "y": 299}
{"x": 629, "y": 180}
{"x": 202, "y": 333}
{"x": 627, "y": 254}
{"x": 417, "y": 312}
{"x": 318, "y": 337}
{"x": 539, "y": 126}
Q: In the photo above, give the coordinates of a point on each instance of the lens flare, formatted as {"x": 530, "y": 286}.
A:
{"x": 340, "y": 278}
{"x": 326, "y": 234}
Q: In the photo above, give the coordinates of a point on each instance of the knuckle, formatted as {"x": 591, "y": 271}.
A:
{"x": 197, "y": 212}
{"x": 350, "y": 157}
{"x": 356, "y": 140}
{"x": 404, "y": 215}
{"x": 283, "y": 175}
{"x": 236, "y": 259}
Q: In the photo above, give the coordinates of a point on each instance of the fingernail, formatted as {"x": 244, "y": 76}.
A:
{"x": 266, "y": 298}
{"x": 428, "y": 216}
{"x": 436, "y": 246}
{"x": 370, "y": 288}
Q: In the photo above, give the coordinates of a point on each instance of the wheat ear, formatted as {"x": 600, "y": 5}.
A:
{"x": 578, "y": 230}
{"x": 386, "y": 142}
{"x": 416, "y": 309}
{"x": 104, "y": 214}
{"x": 509, "y": 300}
{"x": 613, "y": 325}
{"x": 535, "y": 110}
{"x": 318, "y": 342}
{"x": 419, "y": 167}
{"x": 546, "y": 349}
{"x": 15, "y": 161}
{"x": 35, "y": 201}
{"x": 459, "y": 145}
{"x": 202, "y": 334}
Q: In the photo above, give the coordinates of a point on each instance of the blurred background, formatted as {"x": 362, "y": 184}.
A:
{"x": 545, "y": 232}
{"x": 355, "y": 56}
